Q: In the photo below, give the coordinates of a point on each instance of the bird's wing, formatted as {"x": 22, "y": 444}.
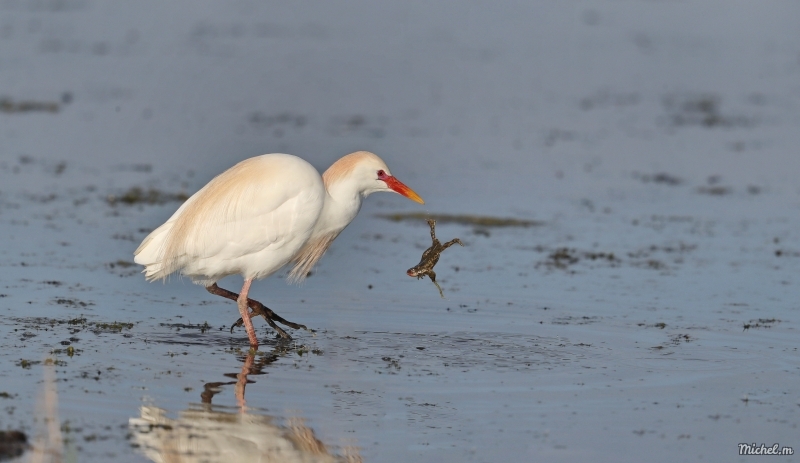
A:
{"x": 264, "y": 202}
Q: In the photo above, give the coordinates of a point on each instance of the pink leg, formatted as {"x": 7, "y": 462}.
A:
{"x": 248, "y": 324}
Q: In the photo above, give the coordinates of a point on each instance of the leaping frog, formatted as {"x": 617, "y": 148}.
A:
{"x": 430, "y": 257}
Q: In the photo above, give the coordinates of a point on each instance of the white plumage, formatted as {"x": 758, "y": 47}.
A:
{"x": 260, "y": 215}
{"x": 250, "y": 220}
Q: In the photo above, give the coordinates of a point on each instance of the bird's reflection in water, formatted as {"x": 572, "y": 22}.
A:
{"x": 208, "y": 433}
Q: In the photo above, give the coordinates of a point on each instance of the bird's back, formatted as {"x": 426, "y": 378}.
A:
{"x": 252, "y": 219}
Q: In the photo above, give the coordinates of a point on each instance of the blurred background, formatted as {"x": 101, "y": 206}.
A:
{"x": 500, "y": 98}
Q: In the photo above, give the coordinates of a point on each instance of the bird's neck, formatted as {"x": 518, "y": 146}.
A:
{"x": 342, "y": 204}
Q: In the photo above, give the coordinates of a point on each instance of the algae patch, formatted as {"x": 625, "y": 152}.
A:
{"x": 75, "y": 324}
{"x": 562, "y": 258}
{"x": 701, "y": 110}
{"x": 27, "y": 364}
{"x": 179, "y": 326}
{"x": 10, "y": 106}
{"x": 137, "y": 195}
{"x": 662, "y": 178}
{"x": 123, "y": 268}
{"x": 114, "y": 327}
{"x": 760, "y": 323}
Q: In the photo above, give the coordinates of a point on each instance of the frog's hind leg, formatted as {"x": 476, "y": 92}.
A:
{"x": 432, "y": 275}
{"x": 432, "y": 224}
{"x": 451, "y": 242}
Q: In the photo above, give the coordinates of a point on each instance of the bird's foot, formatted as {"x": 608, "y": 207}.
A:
{"x": 271, "y": 317}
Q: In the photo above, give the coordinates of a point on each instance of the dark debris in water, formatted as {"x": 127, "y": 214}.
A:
{"x": 570, "y": 320}
{"x": 76, "y": 324}
{"x": 123, "y": 268}
{"x": 121, "y": 263}
{"x": 137, "y": 195}
{"x": 716, "y": 190}
{"x": 9, "y": 106}
{"x": 12, "y": 444}
{"x": 678, "y": 248}
{"x": 786, "y": 253}
{"x": 661, "y": 178}
{"x": 674, "y": 341}
{"x": 183, "y": 326}
{"x": 659, "y": 325}
{"x": 27, "y": 364}
{"x": 114, "y": 327}
{"x": 645, "y": 257}
{"x": 72, "y": 302}
{"x": 701, "y": 110}
{"x": 760, "y": 323}
{"x": 563, "y": 258}
{"x": 462, "y": 219}
{"x": 680, "y": 338}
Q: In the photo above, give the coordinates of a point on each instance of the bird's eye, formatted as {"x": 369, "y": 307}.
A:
{"x": 381, "y": 175}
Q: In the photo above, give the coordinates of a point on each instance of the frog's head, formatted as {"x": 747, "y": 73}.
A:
{"x": 413, "y": 272}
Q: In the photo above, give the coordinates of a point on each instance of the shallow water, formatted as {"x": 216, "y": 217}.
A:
{"x": 650, "y": 308}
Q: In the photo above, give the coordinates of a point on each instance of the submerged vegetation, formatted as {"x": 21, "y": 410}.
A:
{"x": 137, "y": 195}
{"x": 76, "y": 324}
{"x": 8, "y": 105}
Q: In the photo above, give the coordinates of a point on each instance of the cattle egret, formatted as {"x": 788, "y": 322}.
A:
{"x": 259, "y": 215}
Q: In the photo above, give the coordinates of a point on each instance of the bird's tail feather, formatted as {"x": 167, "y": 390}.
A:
{"x": 151, "y": 252}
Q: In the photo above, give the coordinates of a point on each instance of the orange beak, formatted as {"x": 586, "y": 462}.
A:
{"x": 399, "y": 187}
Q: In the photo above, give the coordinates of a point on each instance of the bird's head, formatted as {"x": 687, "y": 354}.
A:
{"x": 368, "y": 174}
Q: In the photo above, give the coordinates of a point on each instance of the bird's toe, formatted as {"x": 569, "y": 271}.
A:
{"x": 238, "y": 323}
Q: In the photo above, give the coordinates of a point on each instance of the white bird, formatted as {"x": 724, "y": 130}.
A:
{"x": 259, "y": 215}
